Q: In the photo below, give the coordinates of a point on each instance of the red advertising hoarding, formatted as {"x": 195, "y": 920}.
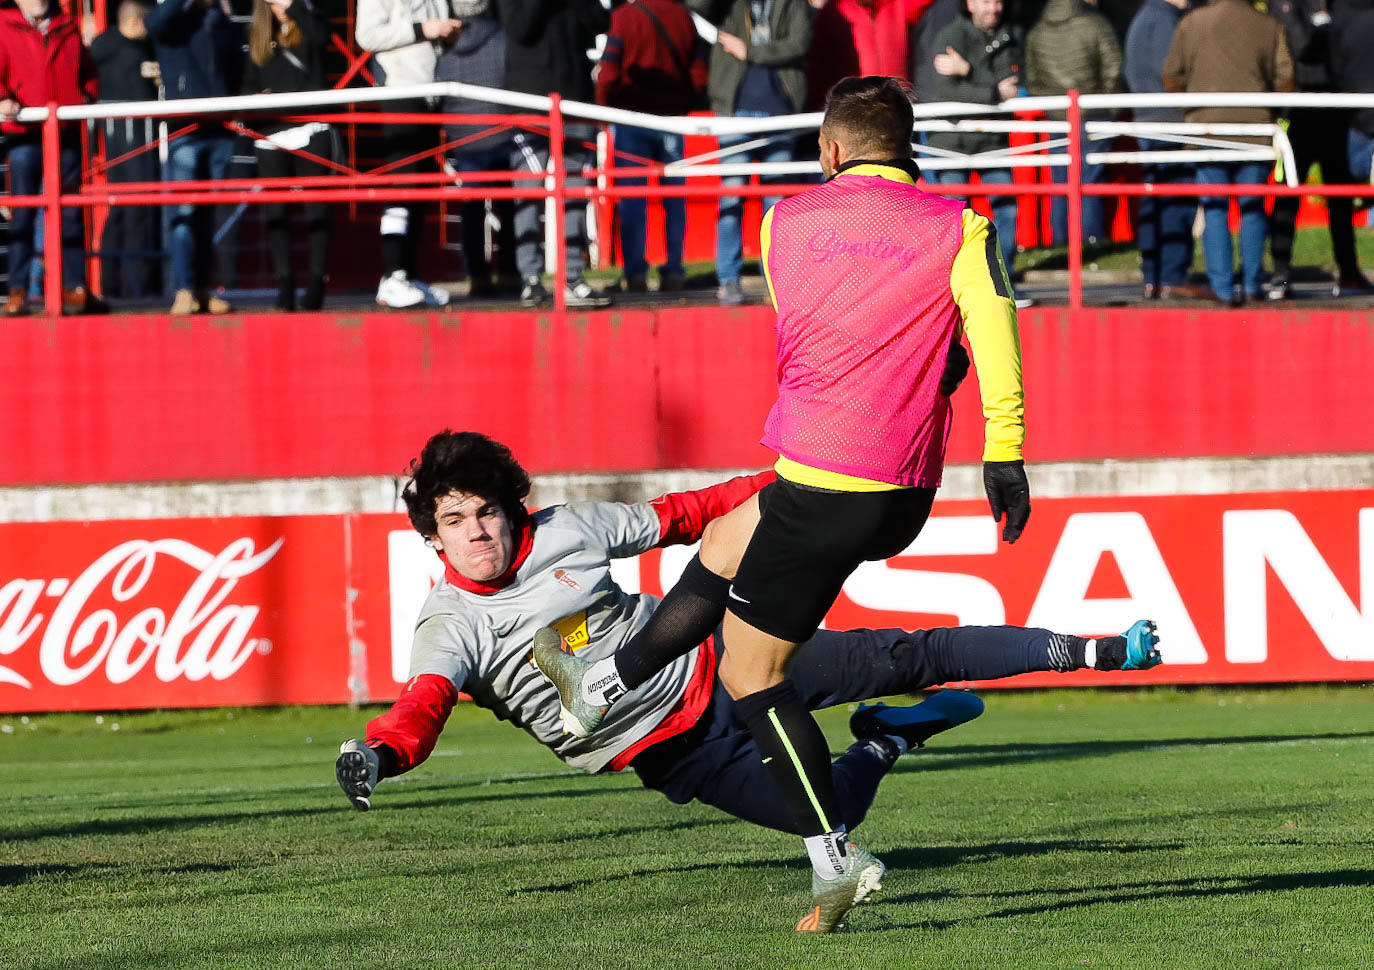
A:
{"x": 1269, "y": 587}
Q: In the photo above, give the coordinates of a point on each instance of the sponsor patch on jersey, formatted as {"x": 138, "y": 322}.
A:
{"x": 565, "y": 577}
{"x": 574, "y": 630}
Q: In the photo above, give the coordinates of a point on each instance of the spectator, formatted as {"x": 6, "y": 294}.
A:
{"x": 478, "y": 56}
{"x": 42, "y": 60}
{"x": 1228, "y": 45}
{"x": 653, "y": 63}
{"x": 1073, "y": 48}
{"x": 757, "y": 70}
{"x": 286, "y": 42}
{"x": 406, "y": 36}
{"x": 1318, "y": 137}
{"x": 858, "y": 38}
{"x": 978, "y": 62}
{"x": 1165, "y": 225}
{"x": 130, "y": 247}
{"x": 199, "y": 51}
{"x": 939, "y": 15}
{"x": 1352, "y": 38}
{"x": 547, "y": 43}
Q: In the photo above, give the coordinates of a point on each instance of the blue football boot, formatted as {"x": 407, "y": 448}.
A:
{"x": 1141, "y": 646}
{"x": 916, "y": 723}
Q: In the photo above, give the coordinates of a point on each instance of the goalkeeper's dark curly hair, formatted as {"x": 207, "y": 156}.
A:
{"x": 464, "y": 461}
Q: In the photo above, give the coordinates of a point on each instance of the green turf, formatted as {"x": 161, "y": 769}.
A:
{"x": 1113, "y": 829}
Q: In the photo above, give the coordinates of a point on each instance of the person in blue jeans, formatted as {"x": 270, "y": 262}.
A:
{"x": 199, "y": 156}
{"x": 26, "y": 225}
{"x": 1164, "y": 229}
{"x": 1216, "y": 231}
{"x": 200, "y": 53}
{"x": 1094, "y": 207}
{"x": 730, "y": 218}
{"x": 642, "y": 146}
{"x": 757, "y": 70}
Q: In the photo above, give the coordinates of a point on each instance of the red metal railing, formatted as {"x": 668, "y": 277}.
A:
{"x": 381, "y": 185}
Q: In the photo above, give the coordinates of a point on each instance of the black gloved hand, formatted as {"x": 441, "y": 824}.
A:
{"x": 956, "y": 369}
{"x": 1009, "y": 492}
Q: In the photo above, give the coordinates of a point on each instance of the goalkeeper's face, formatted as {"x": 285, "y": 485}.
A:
{"x": 474, "y": 536}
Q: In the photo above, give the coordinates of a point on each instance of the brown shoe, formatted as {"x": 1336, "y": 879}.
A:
{"x": 17, "y": 305}
{"x": 1186, "y": 291}
{"x": 79, "y": 301}
{"x": 209, "y": 303}
{"x": 184, "y": 304}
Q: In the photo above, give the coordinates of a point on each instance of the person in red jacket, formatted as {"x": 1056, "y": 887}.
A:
{"x": 859, "y": 38}
{"x": 654, "y": 63}
{"x": 42, "y": 60}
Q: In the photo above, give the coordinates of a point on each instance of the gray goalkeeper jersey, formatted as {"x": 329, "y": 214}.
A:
{"x": 483, "y": 642}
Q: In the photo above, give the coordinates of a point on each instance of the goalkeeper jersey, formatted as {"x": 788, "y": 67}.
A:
{"x": 478, "y": 639}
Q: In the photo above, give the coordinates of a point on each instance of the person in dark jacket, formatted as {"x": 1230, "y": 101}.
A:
{"x": 978, "y": 61}
{"x": 478, "y": 56}
{"x": 653, "y": 63}
{"x": 199, "y": 51}
{"x": 286, "y": 42}
{"x": 924, "y": 34}
{"x": 130, "y": 243}
{"x": 757, "y": 70}
{"x": 1072, "y": 47}
{"x": 546, "y": 49}
{"x": 1352, "y": 38}
{"x": 42, "y": 60}
{"x": 1165, "y": 225}
{"x": 1318, "y": 137}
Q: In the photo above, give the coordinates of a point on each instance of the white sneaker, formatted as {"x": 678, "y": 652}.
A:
{"x": 398, "y": 292}
{"x": 434, "y": 296}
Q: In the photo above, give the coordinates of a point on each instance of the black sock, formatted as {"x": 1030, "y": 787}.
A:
{"x": 689, "y": 614}
{"x": 1067, "y": 652}
{"x": 1111, "y": 653}
{"x": 796, "y": 755}
{"x": 393, "y": 247}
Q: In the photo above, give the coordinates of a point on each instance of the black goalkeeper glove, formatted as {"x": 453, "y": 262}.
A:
{"x": 956, "y": 369}
{"x": 1009, "y": 492}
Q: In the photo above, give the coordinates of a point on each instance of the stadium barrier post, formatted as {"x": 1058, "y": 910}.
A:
{"x": 52, "y": 213}
{"x": 560, "y": 194}
{"x": 1075, "y": 203}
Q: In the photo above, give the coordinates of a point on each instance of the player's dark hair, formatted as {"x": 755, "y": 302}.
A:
{"x": 871, "y": 116}
{"x": 464, "y": 461}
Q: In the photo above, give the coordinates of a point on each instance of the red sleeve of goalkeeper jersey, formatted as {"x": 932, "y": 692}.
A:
{"x": 412, "y": 726}
{"x": 682, "y": 516}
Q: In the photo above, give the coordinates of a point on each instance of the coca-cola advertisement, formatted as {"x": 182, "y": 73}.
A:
{"x": 172, "y": 613}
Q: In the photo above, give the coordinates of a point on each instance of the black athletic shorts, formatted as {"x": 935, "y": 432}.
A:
{"x": 806, "y": 544}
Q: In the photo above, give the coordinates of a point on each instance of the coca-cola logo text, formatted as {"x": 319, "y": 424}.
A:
{"x": 204, "y": 636}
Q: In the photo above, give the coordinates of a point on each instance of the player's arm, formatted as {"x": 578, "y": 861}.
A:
{"x": 403, "y": 737}
{"x": 983, "y": 293}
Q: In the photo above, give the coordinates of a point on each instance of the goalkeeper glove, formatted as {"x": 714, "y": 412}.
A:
{"x": 956, "y": 369}
{"x": 358, "y": 769}
{"x": 1009, "y": 492}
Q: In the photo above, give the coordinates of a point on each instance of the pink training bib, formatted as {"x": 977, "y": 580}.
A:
{"x": 860, "y": 269}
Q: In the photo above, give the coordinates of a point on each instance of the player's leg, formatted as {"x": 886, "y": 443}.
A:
{"x": 718, "y": 764}
{"x": 844, "y": 667}
{"x": 691, "y": 612}
{"x": 806, "y": 544}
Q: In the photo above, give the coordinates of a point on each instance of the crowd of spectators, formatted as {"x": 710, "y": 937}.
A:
{"x": 740, "y": 58}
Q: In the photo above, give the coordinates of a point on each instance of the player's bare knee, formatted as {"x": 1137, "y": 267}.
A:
{"x": 724, "y": 540}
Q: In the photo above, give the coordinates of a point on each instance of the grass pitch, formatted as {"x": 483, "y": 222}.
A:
{"x": 1156, "y": 828}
